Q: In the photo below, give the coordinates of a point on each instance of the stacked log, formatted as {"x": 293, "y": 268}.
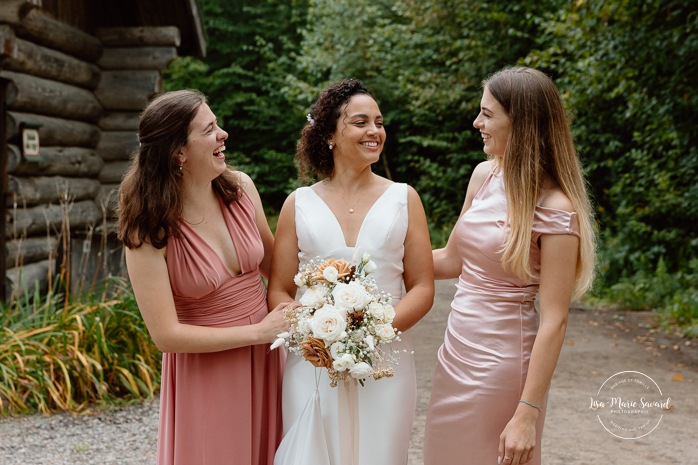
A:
{"x": 84, "y": 93}
{"x": 54, "y": 77}
{"x": 132, "y": 62}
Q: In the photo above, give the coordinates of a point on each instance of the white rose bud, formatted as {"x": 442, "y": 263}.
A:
{"x": 337, "y": 349}
{"x": 370, "y": 267}
{"x": 385, "y": 332}
{"x": 376, "y": 310}
{"x": 344, "y": 362}
{"x": 370, "y": 342}
{"x": 389, "y": 312}
{"x": 361, "y": 370}
{"x": 330, "y": 274}
{"x": 313, "y": 297}
{"x": 298, "y": 280}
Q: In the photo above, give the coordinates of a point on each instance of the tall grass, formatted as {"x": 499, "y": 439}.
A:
{"x": 81, "y": 342}
{"x": 65, "y": 356}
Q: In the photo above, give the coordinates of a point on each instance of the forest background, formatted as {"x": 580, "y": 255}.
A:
{"x": 626, "y": 69}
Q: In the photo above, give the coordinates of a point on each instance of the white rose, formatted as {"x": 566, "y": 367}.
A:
{"x": 344, "y": 362}
{"x": 388, "y": 312}
{"x": 336, "y": 350}
{"x": 328, "y": 324}
{"x": 370, "y": 342}
{"x": 358, "y": 335}
{"x": 313, "y": 297}
{"x": 330, "y": 273}
{"x": 370, "y": 267}
{"x": 350, "y": 296}
{"x": 303, "y": 327}
{"x": 298, "y": 280}
{"x": 376, "y": 310}
{"x": 385, "y": 332}
{"x": 361, "y": 370}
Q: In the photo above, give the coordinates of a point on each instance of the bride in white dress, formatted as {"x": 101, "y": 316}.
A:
{"x": 349, "y": 212}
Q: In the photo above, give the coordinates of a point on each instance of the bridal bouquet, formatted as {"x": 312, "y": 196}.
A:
{"x": 343, "y": 322}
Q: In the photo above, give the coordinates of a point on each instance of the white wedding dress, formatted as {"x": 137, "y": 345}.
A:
{"x": 314, "y": 429}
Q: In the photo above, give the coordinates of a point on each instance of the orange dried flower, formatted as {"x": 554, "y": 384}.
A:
{"x": 343, "y": 267}
{"x": 316, "y": 353}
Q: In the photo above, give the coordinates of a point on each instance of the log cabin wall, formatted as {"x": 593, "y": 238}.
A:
{"x": 84, "y": 92}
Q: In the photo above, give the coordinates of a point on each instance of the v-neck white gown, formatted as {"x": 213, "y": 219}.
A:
{"x": 385, "y": 407}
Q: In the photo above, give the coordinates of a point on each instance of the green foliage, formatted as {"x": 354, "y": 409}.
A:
{"x": 626, "y": 70}
{"x": 66, "y": 356}
{"x": 673, "y": 295}
{"x": 251, "y": 49}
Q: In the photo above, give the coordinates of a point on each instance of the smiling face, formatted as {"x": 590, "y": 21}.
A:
{"x": 360, "y": 134}
{"x": 205, "y": 146}
{"x": 494, "y": 124}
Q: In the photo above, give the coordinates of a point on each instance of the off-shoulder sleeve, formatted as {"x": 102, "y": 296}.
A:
{"x": 553, "y": 221}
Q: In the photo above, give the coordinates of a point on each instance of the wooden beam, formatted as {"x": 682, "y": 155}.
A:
{"x": 53, "y": 98}
{"x": 137, "y": 58}
{"x": 120, "y": 121}
{"x": 36, "y": 24}
{"x": 54, "y": 131}
{"x": 128, "y": 90}
{"x": 113, "y": 171}
{"x": 56, "y": 161}
{"x": 138, "y": 36}
{"x": 117, "y": 145}
{"x": 26, "y": 57}
{"x": 30, "y": 249}
{"x": 37, "y": 190}
{"x": 48, "y": 218}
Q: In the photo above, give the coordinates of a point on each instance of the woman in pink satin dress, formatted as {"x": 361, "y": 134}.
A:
{"x": 526, "y": 230}
{"x": 197, "y": 243}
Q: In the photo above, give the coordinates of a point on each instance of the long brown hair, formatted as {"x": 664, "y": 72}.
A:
{"x": 540, "y": 146}
{"x": 150, "y": 195}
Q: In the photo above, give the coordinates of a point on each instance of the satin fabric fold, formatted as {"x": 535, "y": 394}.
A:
{"x": 483, "y": 362}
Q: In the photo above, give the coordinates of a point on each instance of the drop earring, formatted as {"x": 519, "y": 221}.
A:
{"x": 330, "y": 146}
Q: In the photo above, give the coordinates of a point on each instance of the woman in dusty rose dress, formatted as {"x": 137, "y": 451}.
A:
{"x": 526, "y": 230}
{"x": 197, "y": 243}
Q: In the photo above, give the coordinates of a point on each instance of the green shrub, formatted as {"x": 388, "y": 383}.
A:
{"x": 58, "y": 355}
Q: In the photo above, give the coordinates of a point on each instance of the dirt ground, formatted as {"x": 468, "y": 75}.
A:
{"x": 598, "y": 345}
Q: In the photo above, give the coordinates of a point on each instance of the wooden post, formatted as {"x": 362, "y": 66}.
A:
{"x": 3, "y": 194}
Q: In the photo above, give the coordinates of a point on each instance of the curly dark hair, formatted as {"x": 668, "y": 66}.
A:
{"x": 313, "y": 155}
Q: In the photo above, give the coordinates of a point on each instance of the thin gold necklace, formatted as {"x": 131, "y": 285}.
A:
{"x": 351, "y": 206}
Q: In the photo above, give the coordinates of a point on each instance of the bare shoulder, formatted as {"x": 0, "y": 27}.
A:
{"x": 556, "y": 199}
{"x": 477, "y": 178}
{"x": 243, "y": 177}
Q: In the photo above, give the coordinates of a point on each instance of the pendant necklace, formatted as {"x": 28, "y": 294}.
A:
{"x": 351, "y": 207}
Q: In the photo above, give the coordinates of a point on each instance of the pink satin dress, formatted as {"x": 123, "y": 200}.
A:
{"x": 221, "y": 407}
{"x": 482, "y": 364}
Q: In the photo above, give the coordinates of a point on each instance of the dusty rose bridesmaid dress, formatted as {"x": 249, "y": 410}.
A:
{"x": 483, "y": 362}
{"x": 222, "y": 407}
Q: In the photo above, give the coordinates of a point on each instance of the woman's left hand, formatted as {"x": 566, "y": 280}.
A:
{"x": 518, "y": 440}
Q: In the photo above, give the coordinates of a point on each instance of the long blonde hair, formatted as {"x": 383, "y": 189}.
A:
{"x": 540, "y": 145}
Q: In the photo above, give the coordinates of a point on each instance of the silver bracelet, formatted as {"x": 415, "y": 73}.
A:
{"x": 531, "y": 405}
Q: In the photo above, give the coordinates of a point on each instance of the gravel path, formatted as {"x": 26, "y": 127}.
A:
{"x": 598, "y": 344}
